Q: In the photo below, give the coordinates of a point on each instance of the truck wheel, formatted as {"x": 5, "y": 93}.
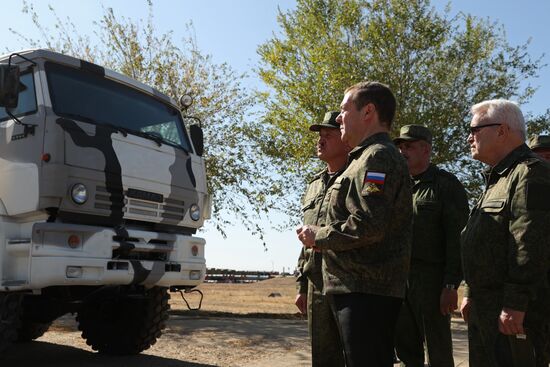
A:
{"x": 125, "y": 324}
{"x": 10, "y": 309}
{"x": 30, "y": 330}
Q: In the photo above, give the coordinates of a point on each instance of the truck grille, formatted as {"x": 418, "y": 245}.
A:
{"x": 142, "y": 205}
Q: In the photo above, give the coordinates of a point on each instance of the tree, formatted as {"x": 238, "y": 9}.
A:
{"x": 438, "y": 66}
{"x": 539, "y": 124}
{"x": 236, "y": 175}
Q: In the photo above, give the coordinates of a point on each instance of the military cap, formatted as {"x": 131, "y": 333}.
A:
{"x": 540, "y": 142}
{"x": 413, "y": 133}
{"x": 329, "y": 121}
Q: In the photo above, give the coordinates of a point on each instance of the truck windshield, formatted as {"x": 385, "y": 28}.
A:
{"x": 89, "y": 97}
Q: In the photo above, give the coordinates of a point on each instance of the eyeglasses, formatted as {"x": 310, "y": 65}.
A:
{"x": 475, "y": 129}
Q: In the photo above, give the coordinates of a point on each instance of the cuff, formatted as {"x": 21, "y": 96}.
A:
{"x": 452, "y": 280}
{"x": 301, "y": 286}
{"x": 515, "y": 297}
{"x": 321, "y": 238}
{"x": 466, "y": 291}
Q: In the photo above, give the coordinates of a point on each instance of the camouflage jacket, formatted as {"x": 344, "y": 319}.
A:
{"x": 309, "y": 261}
{"x": 366, "y": 243}
{"x": 441, "y": 210}
{"x": 506, "y": 243}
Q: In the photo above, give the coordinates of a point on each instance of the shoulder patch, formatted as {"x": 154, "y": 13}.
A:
{"x": 538, "y": 196}
{"x": 373, "y": 183}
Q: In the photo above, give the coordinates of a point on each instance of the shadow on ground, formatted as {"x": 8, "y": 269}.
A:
{"x": 250, "y": 315}
{"x": 283, "y": 331}
{"x": 44, "y": 354}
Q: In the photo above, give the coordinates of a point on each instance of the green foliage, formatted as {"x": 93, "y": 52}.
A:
{"x": 236, "y": 174}
{"x": 539, "y": 124}
{"x": 437, "y": 65}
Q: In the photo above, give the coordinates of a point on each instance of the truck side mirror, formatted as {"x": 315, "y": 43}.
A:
{"x": 9, "y": 85}
{"x": 197, "y": 137}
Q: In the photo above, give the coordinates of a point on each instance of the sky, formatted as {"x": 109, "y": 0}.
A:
{"x": 230, "y": 31}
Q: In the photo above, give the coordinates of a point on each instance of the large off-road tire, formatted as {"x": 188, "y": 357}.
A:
{"x": 124, "y": 323}
{"x": 29, "y": 330}
{"x": 10, "y": 309}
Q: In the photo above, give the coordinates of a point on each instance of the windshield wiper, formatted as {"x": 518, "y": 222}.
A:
{"x": 148, "y": 135}
{"x": 154, "y": 136}
{"x": 119, "y": 129}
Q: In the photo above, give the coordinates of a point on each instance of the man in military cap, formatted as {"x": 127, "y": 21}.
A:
{"x": 440, "y": 212}
{"x": 326, "y": 349}
{"x": 541, "y": 145}
{"x": 365, "y": 240}
{"x": 506, "y": 242}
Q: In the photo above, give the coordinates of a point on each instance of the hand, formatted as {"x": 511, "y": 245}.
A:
{"x": 465, "y": 308}
{"x": 306, "y": 235}
{"x": 510, "y": 322}
{"x": 448, "y": 301}
{"x": 301, "y": 302}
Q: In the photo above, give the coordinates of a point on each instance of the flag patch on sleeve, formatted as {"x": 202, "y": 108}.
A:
{"x": 375, "y": 177}
{"x": 373, "y": 183}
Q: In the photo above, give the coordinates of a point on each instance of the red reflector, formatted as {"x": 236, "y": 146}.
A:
{"x": 46, "y": 157}
{"x": 73, "y": 241}
{"x": 194, "y": 250}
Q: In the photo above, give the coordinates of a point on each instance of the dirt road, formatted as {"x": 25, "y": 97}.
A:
{"x": 240, "y": 325}
{"x": 188, "y": 341}
{"x": 191, "y": 341}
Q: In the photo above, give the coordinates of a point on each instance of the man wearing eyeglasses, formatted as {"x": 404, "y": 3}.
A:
{"x": 506, "y": 242}
{"x": 440, "y": 213}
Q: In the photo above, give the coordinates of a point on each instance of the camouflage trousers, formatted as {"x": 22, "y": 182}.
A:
{"x": 421, "y": 325}
{"x": 489, "y": 348}
{"x": 326, "y": 348}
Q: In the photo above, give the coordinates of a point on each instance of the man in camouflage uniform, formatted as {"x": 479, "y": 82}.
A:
{"x": 325, "y": 344}
{"x": 505, "y": 245}
{"x": 365, "y": 240}
{"x": 541, "y": 146}
{"x": 440, "y": 212}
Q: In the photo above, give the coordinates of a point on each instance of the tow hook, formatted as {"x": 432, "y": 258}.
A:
{"x": 187, "y": 303}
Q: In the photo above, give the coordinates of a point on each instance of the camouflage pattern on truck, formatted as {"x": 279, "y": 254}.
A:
{"x": 87, "y": 132}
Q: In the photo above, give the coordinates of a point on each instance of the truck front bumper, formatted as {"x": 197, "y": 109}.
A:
{"x": 67, "y": 254}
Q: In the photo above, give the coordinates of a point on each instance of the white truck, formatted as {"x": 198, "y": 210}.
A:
{"x": 102, "y": 189}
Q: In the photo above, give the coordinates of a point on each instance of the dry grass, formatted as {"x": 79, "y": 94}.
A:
{"x": 250, "y": 298}
{"x": 244, "y": 298}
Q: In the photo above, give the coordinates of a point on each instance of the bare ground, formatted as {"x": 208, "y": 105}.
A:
{"x": 238, "y": 325}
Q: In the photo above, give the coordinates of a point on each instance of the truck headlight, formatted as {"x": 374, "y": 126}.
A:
{"x": 194, "y": 274}
{"x": 195, "y": 212}
{"x": 79, "y": 193}
{"x": 73, "y": 272}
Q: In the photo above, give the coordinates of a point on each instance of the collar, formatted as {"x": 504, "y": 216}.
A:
{"x": 324, "y": 174}
{"x": 382, "y": 137}
{"x": 428, "y": 175}
{"x": 318, "y": 175}
{"x": 508, "y": 162}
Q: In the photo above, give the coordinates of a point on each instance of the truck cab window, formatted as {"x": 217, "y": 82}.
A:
{"x": 27, "y": 98}
{"x": 87, "y": 97}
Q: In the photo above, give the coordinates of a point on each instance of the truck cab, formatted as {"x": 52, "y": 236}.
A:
{"x": 102, "y": 190}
